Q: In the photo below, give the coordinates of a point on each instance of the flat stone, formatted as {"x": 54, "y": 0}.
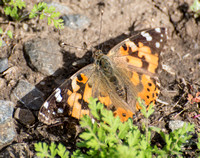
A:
{"x": 7, "y": 128}
{"x": 24, "y": 116}
{"x": 75, "y": 21}
{"x": 176, "y": 124}
{"x": 3, "y": 64}
{"x": 43, "y": 55}
{"x": 28, "y": 94}
{"x": 6, "y": 110}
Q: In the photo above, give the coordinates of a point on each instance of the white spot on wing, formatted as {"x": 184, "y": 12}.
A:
{"x": 58, "y": 95}
{"x": 158, "y": 30}
{"x": 157, "y": 45}
{"x": 53, "y": 113}
{"x": 161, "y": 35}
{"x": 161, "y": 40}
{"x": 60, "y": 110}
{"x": 146, "y": 35}
{"x": 48, "y": 111}
{"x": 46, "y": 105}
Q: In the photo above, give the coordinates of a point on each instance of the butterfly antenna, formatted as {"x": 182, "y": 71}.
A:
{"x": 101, "y": 20}
{"x": 62, "y": 44}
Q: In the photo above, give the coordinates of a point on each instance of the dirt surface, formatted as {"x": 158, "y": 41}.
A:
{"x": 180, "y": 59}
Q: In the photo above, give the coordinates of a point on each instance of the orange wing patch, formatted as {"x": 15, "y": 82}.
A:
{"x": 150, "y": 91}
{"x": 80, "y": 82}
{"x": 105, "y": 100}
{"x": 135, "y": 78}
{"x": 123, "y": 114}
{"x": 136, "y": 56}
{"x": 87, "y": 93}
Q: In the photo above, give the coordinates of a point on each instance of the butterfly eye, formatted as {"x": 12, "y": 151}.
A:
{"x": 97, "y": 54}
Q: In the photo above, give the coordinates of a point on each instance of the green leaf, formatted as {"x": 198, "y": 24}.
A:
{"x": 101, "y": 134}
{"x": 7, "y": 10}
{"x": 9, "y": 33}
{"x": 156, "y": 129}
{"x": 86, "y": 135}
{"x": 42, "y": 149}
{"x": 62, "y": 152}
{"x": 150, "y": 110}
{"x": 142, "y": 104}
{"x": 32, "y": 15}
{"x": 42, "y": 16}
{"x": 41, "y": 6}
{"x": 53, "y": 149}
{"x": 49, "y": 20}
{"x": 123, "y": 130}
{"x": 134, "y": 138}
{"x": 198, "y": 144}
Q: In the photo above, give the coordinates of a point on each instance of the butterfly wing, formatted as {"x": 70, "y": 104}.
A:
{"x": 139, "y": 61}
{"x": 69, "y": 99}
{"x": 134, "y": 62}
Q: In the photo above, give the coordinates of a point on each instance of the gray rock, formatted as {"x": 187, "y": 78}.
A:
{"x": 28, "y": 94}
{"x": 75, "y": 21}
{"x": 7, "y": 128}
{"x": 24, "y": 116}
{"x": 176, "y": 124}
{"x": 3, "y": 64}
{"x": 59, "y": 7}
{"x": 6, "y": 110}
{"x": 43, "y": 55}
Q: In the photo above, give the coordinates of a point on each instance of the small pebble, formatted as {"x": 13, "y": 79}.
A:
{"x": 7, "y": 128}
{"x": 176, "y": 124}
{"x": 6, "y": 110}
{"x": 3, "y": 64}
{"x": 75, "y": 21}
{"x": 43, "y": 55}
{"x": 28, "y": 94}
{"x": 24, "y": 116}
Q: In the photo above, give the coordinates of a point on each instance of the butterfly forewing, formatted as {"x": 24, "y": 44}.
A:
{"x": 139, "y": 57}
{"x": 68, "y": 99}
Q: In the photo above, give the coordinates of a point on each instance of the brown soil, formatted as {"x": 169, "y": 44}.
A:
{"x": 181, "y": 58}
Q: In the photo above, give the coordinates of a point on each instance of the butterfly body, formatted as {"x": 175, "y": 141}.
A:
{"x": 128, "y": 71}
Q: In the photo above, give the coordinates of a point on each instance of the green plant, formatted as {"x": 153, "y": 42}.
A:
{"x": 43, "y": 150}
{"x": 107, "y": 136}
{"x": 14, "y": 9}
{"x": 195, "y": 7}
{"x": 42, "y": 10}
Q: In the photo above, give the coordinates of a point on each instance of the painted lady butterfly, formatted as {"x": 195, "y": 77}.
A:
{"x": 128, "y": 71}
